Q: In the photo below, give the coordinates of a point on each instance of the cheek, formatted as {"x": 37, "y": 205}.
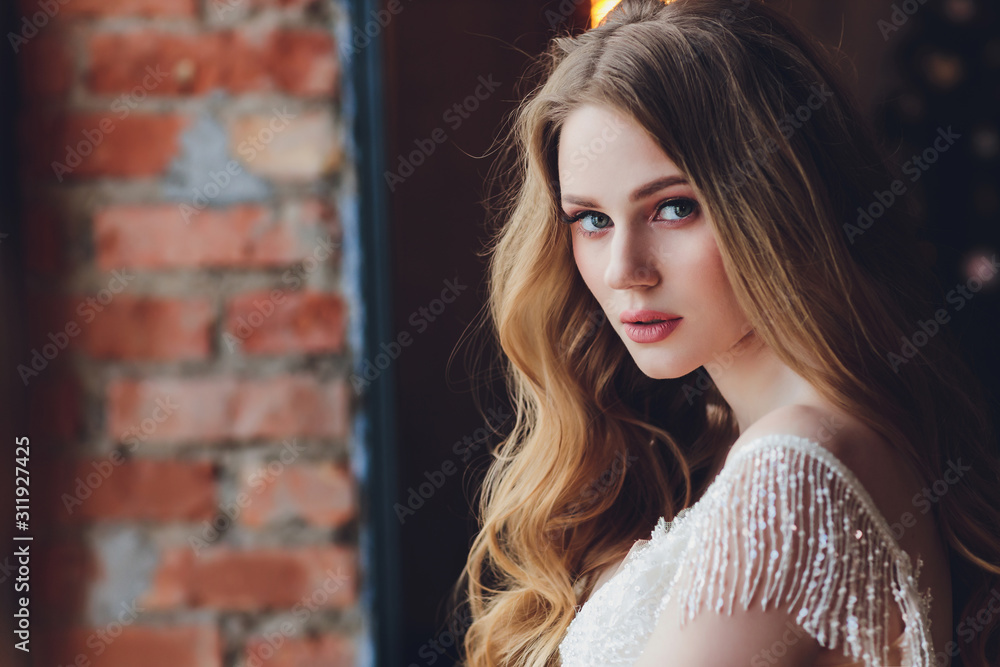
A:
{"x": 585, "y": 262}
{"x": 699, "y": 265}
{"x": 590, "y": 265}
{"x": 721, "y": 287}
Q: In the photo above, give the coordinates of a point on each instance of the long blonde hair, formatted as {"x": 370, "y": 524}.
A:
{"x": 712, "y": 82}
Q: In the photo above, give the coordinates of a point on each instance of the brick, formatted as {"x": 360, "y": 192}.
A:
{"x": 277, "y": 322}
{"x": 298, "y": 62}
{"x": 138, "y": 489}
{"x": 303, "y": 62}
{"x": 287, "y": 145}
{"x": 112, "y": 324}
{"x": 77, "y": 8}
{"x": 133, "y": 327}
{"x": 225, "y": 9}
{"x": 322, "y": 494}
{"x": 135, "y": 145}
{"x": 219, "y": 409}
{"x": 284, "y": 4}
{"x": 127, "y": 645}
{"x": 219, "y": 577}
{"x": 326, "y": 650}
{"x": 167, "y": 236}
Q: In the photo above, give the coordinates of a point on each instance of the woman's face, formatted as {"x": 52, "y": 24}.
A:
{"x": 643, "y": 243}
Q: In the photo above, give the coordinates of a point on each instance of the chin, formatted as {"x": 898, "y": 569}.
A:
{"x": 659, "y": 368}
{"x": 655, "y": 375}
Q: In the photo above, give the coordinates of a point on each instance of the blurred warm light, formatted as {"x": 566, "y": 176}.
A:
{"x": 598, "y": 9}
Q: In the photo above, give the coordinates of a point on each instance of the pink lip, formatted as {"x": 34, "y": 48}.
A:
{"x": 629, "y": 316}
{"x": 648, "y": 333}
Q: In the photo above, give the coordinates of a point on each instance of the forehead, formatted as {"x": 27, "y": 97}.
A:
{"x": 598, "y": 140}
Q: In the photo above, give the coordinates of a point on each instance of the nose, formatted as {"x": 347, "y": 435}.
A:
{"x": 633, "y": 259}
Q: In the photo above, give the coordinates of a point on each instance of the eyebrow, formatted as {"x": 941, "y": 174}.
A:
{"x": 640, "y": 193}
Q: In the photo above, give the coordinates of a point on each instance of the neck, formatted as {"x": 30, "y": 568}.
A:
{"x": 755, "y": 382}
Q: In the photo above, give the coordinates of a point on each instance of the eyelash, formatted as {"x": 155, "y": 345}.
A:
{"x": 675, "y": 200}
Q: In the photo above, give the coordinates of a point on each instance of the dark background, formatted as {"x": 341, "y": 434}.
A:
{"x": 11, "y": 298}
{"x": 435, "y": 53}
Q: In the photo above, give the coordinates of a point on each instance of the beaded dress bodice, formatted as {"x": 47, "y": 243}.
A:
{"x": 793, "y": 527}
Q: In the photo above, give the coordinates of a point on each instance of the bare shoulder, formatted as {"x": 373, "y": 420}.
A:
{"x": 886, "y": 474}
{"x": 854, "y": 443}
{"x": 746, "y": 525}
{"x": 893, "y": 484}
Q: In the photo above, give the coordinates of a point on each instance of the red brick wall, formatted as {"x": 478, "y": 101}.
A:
{"x": 187, "y": 377}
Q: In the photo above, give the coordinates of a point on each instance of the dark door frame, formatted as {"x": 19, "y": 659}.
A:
{"x": 381, "y": 550}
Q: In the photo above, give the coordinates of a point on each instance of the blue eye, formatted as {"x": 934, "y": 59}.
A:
{"x": 677, "y": 209}
{"x": 597, "y": 217}
{"x": 584, "y": 216}
{"x": 682, "y": 208}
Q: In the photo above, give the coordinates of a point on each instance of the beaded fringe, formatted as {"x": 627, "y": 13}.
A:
{"x": 799, "y": 530}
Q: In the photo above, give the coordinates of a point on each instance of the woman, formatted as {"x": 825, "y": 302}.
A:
{"x": 698, "y": 331}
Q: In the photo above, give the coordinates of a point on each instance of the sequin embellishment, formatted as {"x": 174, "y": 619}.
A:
{"x": 800, "y": 531}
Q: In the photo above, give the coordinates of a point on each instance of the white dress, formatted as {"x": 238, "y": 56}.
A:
{"x": 831, "y": 560}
